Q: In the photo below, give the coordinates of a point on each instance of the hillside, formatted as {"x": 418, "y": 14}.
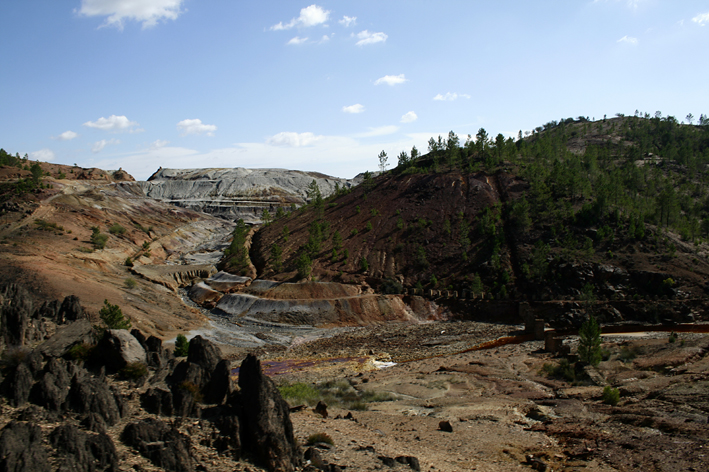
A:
{"x": 614, "y": 209}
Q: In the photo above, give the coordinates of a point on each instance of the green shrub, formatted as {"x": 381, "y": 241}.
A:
{"x": 80, "y": 351}
{"x": 363, "y": 264}
{"x": 182, "y": 346}
{"x": 133, "y": 371}
{"x": 116, "y": 229}
{"x": 98, "y": 239}
{"x": 130, "y": 283}
{"x": 563, "y": 370}
{"x": 354, "y": 232}
{"x": 320, "y": 438}
{"x": 673, "y": 338}
{"x": 128, "y": 262}
{"x": 611, "y": 396}
{"x": 299, "y": 393}
{"x": 590, "y": 342}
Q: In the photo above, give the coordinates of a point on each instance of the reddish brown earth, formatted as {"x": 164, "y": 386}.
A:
{"x": 58, "y": 259}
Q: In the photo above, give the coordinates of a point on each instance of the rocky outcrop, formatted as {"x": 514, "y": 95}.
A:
{"x": 175, "y": 276}
{"x": 21, "y": 448}
{"x": 79, "y": 451}
{"x": 266, "y": 428}
{"x": 163, "y": 445}
{"x": 238, "y": 192}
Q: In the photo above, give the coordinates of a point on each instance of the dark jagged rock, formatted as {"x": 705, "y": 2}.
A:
{"x": 36, "y": 414}
{"x": 116, "y": 349}
{"x": 34, "y": 362}
{"x": 157, "y": 355}
{"x": 220, "y": 385}
{"x": 48, "y": 310}
{"x": 445, "y": 426}
{"x": 78, "y": 451}
{"x": 229, "y": 439}
{"x": 78, "y": 332}
{"x": 387, "y": 461}
{"x": 321, "y": 409}
{"x": 163, "y": 445}
{"x": 188, "y": 373}
{"x": 21, "y": 448}
{"x": 94, "y": 422}
{"x": 93, "y": 395}
{"x": 52, "y": 388}
{"x": 15, "y": 313}
{"x": 204, "y": 353}
{"x": 70, "y": 310}
{"x": 137, "y": 334}
{"x": 184, "y": 400}
{"x": 411, "y": 461}
{"x": 18, "y": 384}
{"x": 313, "y": 455}
{"x": 157, "y": 402}
{"x": 266, "y": 428}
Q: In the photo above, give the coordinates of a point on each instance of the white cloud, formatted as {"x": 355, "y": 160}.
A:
{"x": 44, "y": 155}
{"x": 309, "y": 16}
{"x": 357, "y": 108}
{"x": 391, "y": 80}
{"x": 158, "y": 143}
{"x": 348, "y": 21}
{"x": 195, "y": 127}
{"x": 449, "y": 97}
{"x": 297, "y": 40}
{"x": 147, "y": 12}
{"x": 701, "y": 19}
{"x": 628, "y": 39}
{"x": 99, "y": 145}
{"x": 112, "y": 123}
{"x": 326, "y": 38}
{"x": 290, "y": 139}
{"x": 409, "y": 117}
{"x": 365, "y": 37}
{"x": 378, "y": 131}
{"x": 66, "y": 136}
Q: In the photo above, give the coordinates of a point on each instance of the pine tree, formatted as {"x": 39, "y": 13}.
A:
{"x": 590, "y": 342}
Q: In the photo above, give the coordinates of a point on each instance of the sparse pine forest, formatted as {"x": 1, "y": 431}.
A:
{"x": 617, "y": 208}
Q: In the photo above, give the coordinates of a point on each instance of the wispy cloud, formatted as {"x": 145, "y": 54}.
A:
{"x": 112, "y": 123}
{"x": 348, "y": 21}
{"x": 378, "y": 131}
{"x": 195, "y": 127}
{"x": 44, "y": 155}
{"x": 297, "y": 41}
{"x": 309, "y": 16}
{"x": 701, "y": 19}
{"x": 99, "y": 145}
{"x": 357, "y": 108}
{"x": 291, "y": 139}
{"x": 365, "y": 37}
{"x": 449, "y": 97}
{"x": 409, "y": 117}
{"x": 147, "y": 12}
{"x": 66, "y": 136}
{"x": 158, "y": 143}
{"x": 391, "y": 80}
{"x": 628, "y": 39}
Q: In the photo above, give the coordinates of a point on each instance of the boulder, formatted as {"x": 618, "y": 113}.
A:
{"x": 78, "y": 451}
{"x": 116, "y": 349}
{"x": 15, "y": 312}
{"x": 51, "y": 390}
{"x": 163, "y": 445}
{"x": 266, "y": 428}
{"x": 78, "y": 332}
{"x": 157, "y": 355}
{"x": 21, "y": 448}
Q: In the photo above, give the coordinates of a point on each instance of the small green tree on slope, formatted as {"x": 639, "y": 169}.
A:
{"x": 113, "y": 317}
{"x": 590, "y": 342}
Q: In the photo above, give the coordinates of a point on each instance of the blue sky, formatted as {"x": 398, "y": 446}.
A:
{"x": 326, "y": 86}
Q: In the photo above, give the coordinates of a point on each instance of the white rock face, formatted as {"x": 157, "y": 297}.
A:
{"x": 238, "y": 192}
